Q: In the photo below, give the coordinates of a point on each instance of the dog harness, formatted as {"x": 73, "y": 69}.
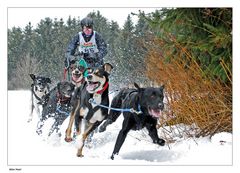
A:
{"x": 104, "y": 88}
{"x": 42, "y": 100}
{"x": 96, "y": 108}
{"x": 92, "y": 101}
{"x": 62, "y": 99}
{"x": 91, "y": 112}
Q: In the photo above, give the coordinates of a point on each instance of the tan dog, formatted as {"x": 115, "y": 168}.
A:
{"x": 89, "y": 114}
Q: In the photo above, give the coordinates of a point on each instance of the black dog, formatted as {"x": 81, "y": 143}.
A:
{"x": 58, "y": 106}
{"x": 39, "y": 89}
{"x": 86, "y": 110}
{"x": 150, "y": 102}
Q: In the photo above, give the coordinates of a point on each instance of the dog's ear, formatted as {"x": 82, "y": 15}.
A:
{"x": 136, "y": 86}
{"x": 32, "y": 76}
{"x": 162, "y": 87}
{"x": 140, "y": 90}
{"x": 107, "y": 67}
{"x": 58, "y": 86}
{"x": 48, "y": 80}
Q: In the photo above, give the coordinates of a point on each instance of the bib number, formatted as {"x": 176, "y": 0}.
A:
{"x": 88, "y": 50}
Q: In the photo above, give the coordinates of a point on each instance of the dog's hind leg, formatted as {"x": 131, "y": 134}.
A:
{"x": 127, "y": 125}
{"x": 92, "y": 131}
{"x": 44, "y": 117}
{"x": 40, "y": 125}
{"x": 53, "y": 128}
{"x": 68, "y": 132}
{"x": 111, "y": 119}
{"x": 57, "y": 124}
{"x": 113, "y": 115}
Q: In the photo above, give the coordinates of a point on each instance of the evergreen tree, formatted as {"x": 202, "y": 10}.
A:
{"x": 15, "y": 37}
{"x": 125, "y": 59}
{"x": 201, "y": 34}
{"x": 100, "y": 24}
{"x": 114, "y": 53}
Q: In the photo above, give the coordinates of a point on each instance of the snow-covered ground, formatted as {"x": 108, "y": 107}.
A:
{"x": 25, "y": 147}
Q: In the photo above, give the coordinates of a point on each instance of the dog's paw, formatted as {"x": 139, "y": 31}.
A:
{"x": 39, "y": 132}
{"x": 115, "y": 156}
{"x": 159, "y": 141}
{"x": 102, "y": 128}
{"x": 80, "y": 155}
{"x": 67, "y": 139}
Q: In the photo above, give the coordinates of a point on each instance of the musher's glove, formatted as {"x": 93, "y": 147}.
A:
{"x": 72, "y": 59}
{"x": 92, "y": 55}
{"x": 69, "y": 60}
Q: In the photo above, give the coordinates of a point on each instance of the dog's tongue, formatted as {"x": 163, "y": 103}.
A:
{"x": 75, "y": 78}
{"x": 155, "y": 113}
{"x": 91, "y": 87}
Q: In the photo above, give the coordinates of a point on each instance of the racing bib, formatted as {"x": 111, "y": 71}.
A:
{"x": 87, "y": 47}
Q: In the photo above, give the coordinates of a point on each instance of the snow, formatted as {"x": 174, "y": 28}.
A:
{"x": 25, "y": 147}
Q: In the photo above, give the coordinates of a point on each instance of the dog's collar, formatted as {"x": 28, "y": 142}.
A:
{"x": 104, "y": 88}
{"x": 61, "y": 98}
{"x": 81, "y": 81}
{"x": 38, "y": 98}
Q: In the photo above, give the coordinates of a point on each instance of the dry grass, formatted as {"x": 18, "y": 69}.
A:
{"x": 192, "y": 99}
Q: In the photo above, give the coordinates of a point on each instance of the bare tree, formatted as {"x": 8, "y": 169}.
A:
{"x": 21, "y": 79}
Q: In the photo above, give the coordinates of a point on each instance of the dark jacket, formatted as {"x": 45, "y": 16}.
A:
{"x": 92, "y": 61}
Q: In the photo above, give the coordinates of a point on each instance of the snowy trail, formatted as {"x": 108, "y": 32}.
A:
{"x": 25, "y": 147}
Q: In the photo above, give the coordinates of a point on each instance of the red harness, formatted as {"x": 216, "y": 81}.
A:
{"x": 104, "y": 88}
{"x": 62, "y": 99}
{"x": 81, "y": 81}
{"x": 64, "y": 73}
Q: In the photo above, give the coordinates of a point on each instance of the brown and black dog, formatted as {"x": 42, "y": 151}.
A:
{"x": 89, "y": 114}
{"x": 77, "y": 74}
{"x": 58, "y": 103}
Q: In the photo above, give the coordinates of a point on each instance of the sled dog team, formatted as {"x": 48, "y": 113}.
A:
{"x": 86, "y": 100}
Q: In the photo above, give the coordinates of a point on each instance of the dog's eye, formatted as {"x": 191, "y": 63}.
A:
{"x": 80, "y": 68}
{"x": 154, "y": 94}
{"x": 73, "y": 66}
{"x": 97, "y": 73}
{"x": 89, "y": 70}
